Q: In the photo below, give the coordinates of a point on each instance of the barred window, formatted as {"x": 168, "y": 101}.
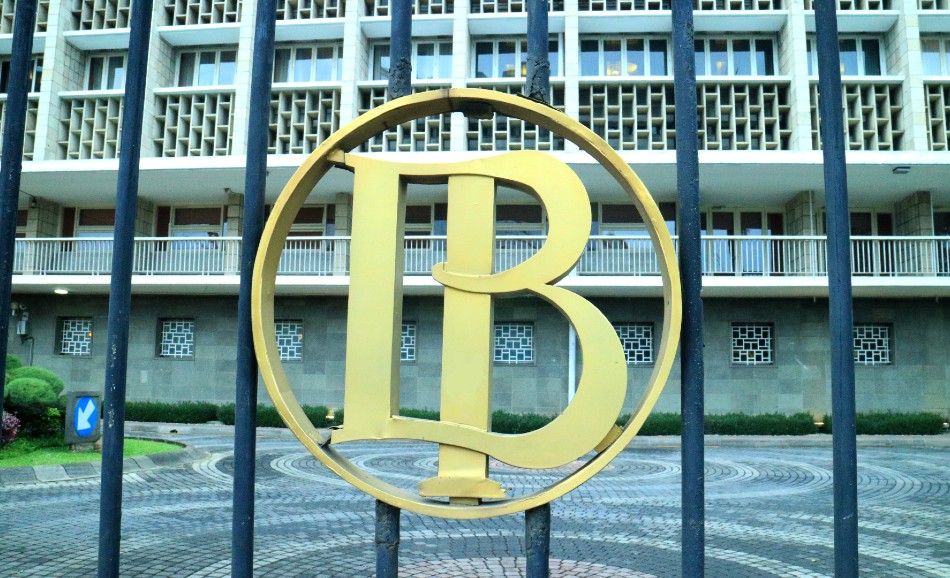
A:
{"x": 752, "y": 344}
{"x": 514, "y": 343}
{"x": 637, "y": 342}
{"x": 872, "y": 343}
{"x": 176, "y": 338}
{"x": 407, "y": 344}
{"x": 75, "y": 336}
{"x": 289, "y": 339}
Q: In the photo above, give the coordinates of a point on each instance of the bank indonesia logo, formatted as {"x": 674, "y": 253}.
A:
{"x": 584, "y": 437}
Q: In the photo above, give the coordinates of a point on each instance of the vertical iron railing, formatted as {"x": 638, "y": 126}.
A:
{"x": 120, "y": 292}
{"x": 844, "y": 447}
{"x": 245, "y": 441}
{"x": 11, "y": 164}
{"x": 691, "y": 343}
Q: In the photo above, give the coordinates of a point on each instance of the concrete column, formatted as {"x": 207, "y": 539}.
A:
{"x": 234, "y": 215}
{"x": 62, "y": 70}
{"x": 793, "y": 62}
{"x": 42, "y": 221}
{"x": 913, "y": 216}
{"x": 355, "y": 61}
{"x": 242, "y": 78}
{"x": 343, "y": 223}
{"x": 902, "y": 46}
{"x": 145, "y": 218}
{"x": 461, "y": 57}
{"x": 162, "y": 60}
{"x": 570, "y": 49}
{"x": 801, "y": 218}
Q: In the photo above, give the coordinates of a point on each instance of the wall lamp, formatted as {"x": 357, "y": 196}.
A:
{"x": 901, "y": 170}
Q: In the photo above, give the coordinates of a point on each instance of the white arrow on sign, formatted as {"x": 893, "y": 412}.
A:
{"x": 84, "y": 415}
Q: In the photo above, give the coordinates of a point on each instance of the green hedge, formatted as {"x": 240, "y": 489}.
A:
{"x": 184, "y": 412}
{"x": 512, "y": 423}
{"x": 894, "y": 423}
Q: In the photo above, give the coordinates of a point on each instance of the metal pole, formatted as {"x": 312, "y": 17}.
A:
{"x": 537, "y": 539}
{"x": 387, "y": 540}
{"x": 120, "y": 292}
{"x": 844, "y": 446}
{"x": 11, "y": 163}
{"x": 691, "y": 344}
{"x": 538, "y": 74}
{"x": 400, "y": 49}
{"x": 245, "y": 441}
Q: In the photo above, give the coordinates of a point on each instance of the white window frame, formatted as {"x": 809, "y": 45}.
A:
{"x": 107, "y": 58}
{"x": 378, "y": 49}
{"x": 943, "y": 55}
{"x": 624, "y": 64}
{"x": 649, "y": 359}
{"x": 36, "y": 72}
{"x": 92, "y": 231}
{"x": 497, "y": 359}
{"x": 811, "y": 44}
{"x": 521, "y": 54}
{"x": 888, "y": 337}
{"x": 196, "y": 72}
{"x": 209, "y": 230}
{"x": 734, "y": 350}
{"x": 336, "y": 67}
{"x": 730, "y": 56}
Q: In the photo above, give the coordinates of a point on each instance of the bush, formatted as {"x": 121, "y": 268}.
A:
{"x": 267, "y": 415}
{"x": 184, "y": 412}
{"x": 894, "y": 423}
{"x": 764, "y": 424}
{"x": 10, "y": 427}
{"x": 13, "y": 363}
{"x": 420, "y": 413}
{"x": 517, "y": 423}
{"x": 39, "y": 373}
{"x": 37, "y": 405}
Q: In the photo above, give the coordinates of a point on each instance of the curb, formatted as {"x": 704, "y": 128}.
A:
{"x": 85, "y": 470}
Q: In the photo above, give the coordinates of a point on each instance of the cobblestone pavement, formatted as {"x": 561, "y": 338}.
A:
{"x": 769, "y": 513}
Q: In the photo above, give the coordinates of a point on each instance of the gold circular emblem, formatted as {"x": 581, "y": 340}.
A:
{"x": 483, "y": 499}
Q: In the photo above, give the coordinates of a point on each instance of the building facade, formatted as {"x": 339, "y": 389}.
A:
{"x": 763, "y": 250}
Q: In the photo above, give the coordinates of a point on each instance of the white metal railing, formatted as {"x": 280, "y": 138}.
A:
{"x": 632, "y": 256}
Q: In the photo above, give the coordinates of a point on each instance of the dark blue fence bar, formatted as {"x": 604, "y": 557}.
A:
{"x": 692, "y": 404}
{"x": 120, "y": 292}
{"x": 387, "y": 540}
{"x": 11, "y": 164}
{"x": 245, "y": 431}
{"x": 400, "y": 47}
{"x": 844, "y": 447}
{"x": 538, "y": 73}
{"x": 537, "y": 541}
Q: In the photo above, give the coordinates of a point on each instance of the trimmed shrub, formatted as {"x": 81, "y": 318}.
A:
{"x": 763, "y": 424}
{"x": 659, "y": 424}
{"x": 895, "y": 423}
{"x": 13, "y": 363}
{"x": 37, "y": 405}
{"x": 184, "y": 412}
{"x": 10, "y": 427}
{"x": 33, "y": 372}
{"x": 420, "y": 413}
{"x": 517, "y": 423}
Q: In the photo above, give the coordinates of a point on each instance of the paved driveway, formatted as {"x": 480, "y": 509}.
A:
{"x": 769, "y": 513}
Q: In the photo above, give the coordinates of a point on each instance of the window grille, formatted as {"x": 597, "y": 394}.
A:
{"x": 514, "y": 343}
{"x": 407, "y": 343}
{"x": 872, "y": 343}
{"x": 752, "y": 344}
{"x": 289, "y": 334}
{"x": 75, "y": 336}
{"x": 177, "y": 338}
{"x": 637, "y": 342}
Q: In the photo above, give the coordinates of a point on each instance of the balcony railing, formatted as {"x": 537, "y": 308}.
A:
{"x": 197, "y": 12}
{"x": 733, "y": 115}
{"x": 938, "y": 115}
{"x": 194, "y": 122}
{"x": 101, "y": 14}
{"x": 751, "y": 256}
{"x": 29, "y": 137}
{"x": 419, "y": 7}
{"x": 872, "y": 114}
{"x": 302, "y": 118}
{"x": 288, "y": 10}
{"x": 701, "y": 5}
{"x": 91, "y": 124}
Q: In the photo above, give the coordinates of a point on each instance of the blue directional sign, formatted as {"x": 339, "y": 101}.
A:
{"x": 83, "y": 409}
{"x": 86, "y": 416}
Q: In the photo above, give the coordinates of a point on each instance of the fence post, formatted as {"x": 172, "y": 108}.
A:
{"x": 537, "y": 538}
{"x": 120, "y": 291}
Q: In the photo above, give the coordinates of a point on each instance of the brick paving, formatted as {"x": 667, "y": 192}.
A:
{"x": 769, "y": 513}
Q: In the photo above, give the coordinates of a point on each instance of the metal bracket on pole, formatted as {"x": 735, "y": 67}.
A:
{"x": 387, "y": 540}
{"x": 537, "y": 538}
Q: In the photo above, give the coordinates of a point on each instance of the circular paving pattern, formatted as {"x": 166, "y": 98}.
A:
{"x": 768, "y": 513}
